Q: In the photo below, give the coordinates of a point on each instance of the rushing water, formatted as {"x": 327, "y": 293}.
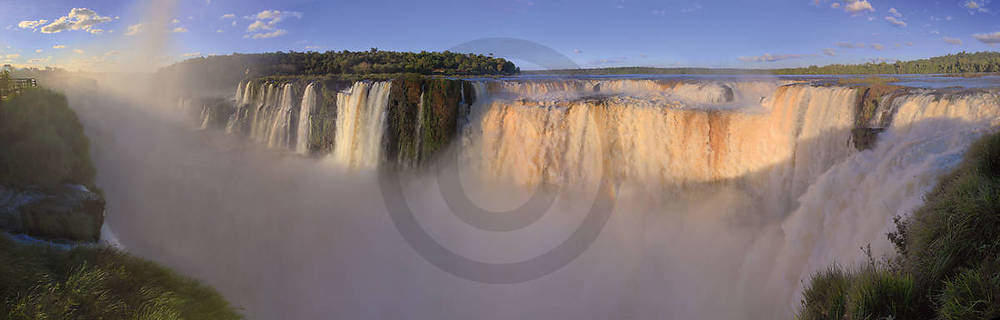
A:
{"x": 305, "y": 109}
{"x": 360, "y": 125}
{"x": 729, "y": 194}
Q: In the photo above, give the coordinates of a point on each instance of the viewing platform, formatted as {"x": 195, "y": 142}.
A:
{"x": 15, "y": 85}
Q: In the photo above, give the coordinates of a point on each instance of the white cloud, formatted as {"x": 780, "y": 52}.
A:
{"x": 975, "y": 6}
{"x": 58, "y": 46}
{"x": 267, "y": 20}
{"x": 935, "y": 32}
{"x": 228, "y": 16}
{"x": 848, "y": 45}
{"x": 179, "y": 30}
{"x": 988, "y": 38}
{"x": 858, "y": 6}
{"x": 895, "y": 22}
{"x": 275, "y": 33}
{"x": 878, "y": 46}
{"x": 219, "y": 31}
{"x": 829, "y": 52}
{"x": 835, "y": 5}
{"x": 13, "y": 56}
{"x": 31, "y": 24}
{"x": 767, "y": 57}
{"x": 950, "y": 40}
{"x": 258, "y": 25}
{"x": 134, "y": 29}
{"x": 895, "y": 13}
{"x": 78, "y": 19}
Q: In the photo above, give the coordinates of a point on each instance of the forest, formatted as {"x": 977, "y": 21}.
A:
{"x": 373, "y": 61}
{"x": 962, "y": 62}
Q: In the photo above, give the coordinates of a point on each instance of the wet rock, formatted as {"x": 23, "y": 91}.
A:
{"x": 70, "y": 212}
{"x": 865, "y": 138}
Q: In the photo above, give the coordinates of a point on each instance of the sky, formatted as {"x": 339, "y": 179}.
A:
{"x": 94, "y": 35}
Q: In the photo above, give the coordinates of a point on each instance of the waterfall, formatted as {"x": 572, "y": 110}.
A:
{"x": 659, "y": 143}
{"x": 279, "y": 134}
{"x": 304, "y": 126}
{"x": 853, "y": 203}
{"x": 730, "y": 193}
{"x": 361, "y": 120}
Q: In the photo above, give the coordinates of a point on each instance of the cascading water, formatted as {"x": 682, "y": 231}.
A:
{"x": 361, "y": 123}
{"x": 279, "y": 134}
{"x": 741, "y": 189}
{"x": 555, "y": 141}
{"x": 304, "y": 125}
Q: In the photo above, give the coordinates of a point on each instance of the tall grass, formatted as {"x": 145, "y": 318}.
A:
{"x": 949, "y": 255}
{"x": 44, "y": 282}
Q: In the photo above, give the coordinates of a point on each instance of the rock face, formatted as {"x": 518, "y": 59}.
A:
{"x": 70, "y": 212}
{"x": 423, "y": 117}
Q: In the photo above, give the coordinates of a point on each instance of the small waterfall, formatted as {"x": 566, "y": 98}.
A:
{"x": 279, "y": 134}
{"x": 361, "y": 122}
{"x": 206, "y": 117}
{"x": 305, "y": 124}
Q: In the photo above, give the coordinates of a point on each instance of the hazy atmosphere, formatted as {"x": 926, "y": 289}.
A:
{"x": 624, "y": 159}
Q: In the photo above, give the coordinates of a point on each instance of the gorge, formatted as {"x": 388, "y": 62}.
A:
{"x": 730, "y": 191}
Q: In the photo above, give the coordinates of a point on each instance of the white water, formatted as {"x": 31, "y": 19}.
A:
{"x": 361, "y": 118}
{"x": 724, "y": 206}
{"x": 304, "y": 127}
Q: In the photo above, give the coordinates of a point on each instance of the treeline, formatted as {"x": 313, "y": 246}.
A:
{"x": 953, "y": 63}
{"x": 647, "y": 70}
{"x": 373, "y": 61}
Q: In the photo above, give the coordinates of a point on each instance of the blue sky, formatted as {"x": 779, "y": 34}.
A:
{"x": 701, "y": 33}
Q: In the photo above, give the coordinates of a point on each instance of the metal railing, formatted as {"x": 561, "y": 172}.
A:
{"x": 15, "y": 86}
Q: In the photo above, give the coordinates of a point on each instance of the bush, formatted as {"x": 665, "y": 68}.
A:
{"x": 948, "y": 249}
{"x": 959, "y": 225}
{"x": 972, "y": 294}
{"x": 44, "y": 282}
{"x": 43, "y": 142}
{"x": 826, "y": 296}
{"x": 878, "y": 293}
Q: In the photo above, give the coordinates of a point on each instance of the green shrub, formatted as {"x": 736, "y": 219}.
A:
{"x": 959, "y": 225}
{"x": 43, "y": 142}
{"x": 972, "y": 294}
{"x": 43, "y": 282}
{"x": 877, "y": 293}
{"x": 948, "y": 249}
{"x": 826, "y": 296}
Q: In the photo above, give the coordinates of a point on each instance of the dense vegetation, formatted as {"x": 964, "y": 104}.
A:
{"x": 45, "y": 282}
{"x": 42, "y": 142}
{"x": 647, "y": 70}
{"x": 356, "y": 63}
{"x": 949, "y": 256}
{"x": 953, "y": 63}
{"x": 220, "y": 72}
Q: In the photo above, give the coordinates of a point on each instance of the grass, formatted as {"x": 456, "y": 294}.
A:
{"x": 948, "y": 265}
{"x": 44, "y": 282}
